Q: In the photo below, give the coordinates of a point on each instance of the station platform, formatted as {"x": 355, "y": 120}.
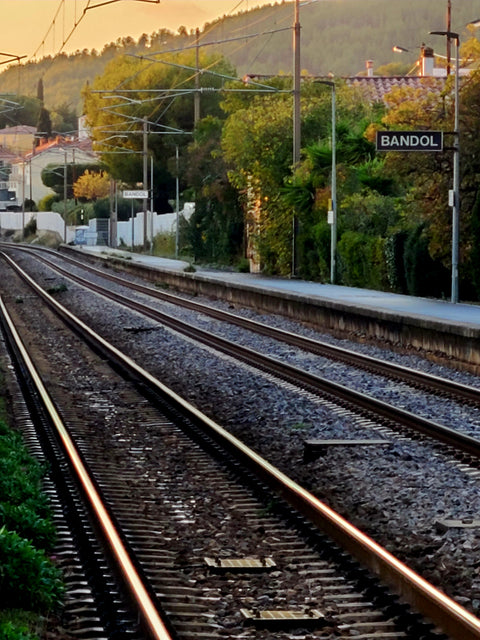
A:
{"x": 458, "y": 314}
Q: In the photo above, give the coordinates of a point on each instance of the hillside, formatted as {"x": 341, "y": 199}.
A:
{"x": 338, "y": 36}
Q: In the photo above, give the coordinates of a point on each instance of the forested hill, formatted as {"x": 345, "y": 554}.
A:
{"x": 337, "y": 36}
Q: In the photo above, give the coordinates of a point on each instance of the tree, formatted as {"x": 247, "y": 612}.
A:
{"x": 53, "y": 176}
{"x": 44, "y": 125}
{"x": 215, "y": 230}
{"x": 26, "y": 113}
{"x": 40, "y": 90}
{"x": 173, "y": 112}
{"x": 92, "y": 185}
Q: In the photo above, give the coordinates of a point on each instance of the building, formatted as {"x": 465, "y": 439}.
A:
{"x": 26, "y": 179}
{"x": 18, "y": 139}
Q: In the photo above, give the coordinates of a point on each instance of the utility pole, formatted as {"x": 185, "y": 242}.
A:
{"x": 145, "y": 181}
{"x": 65, "y": 200}
{"x": 296, "y": 121}
{"x": 196, "y": 99}
{"x": 449, "y": 42}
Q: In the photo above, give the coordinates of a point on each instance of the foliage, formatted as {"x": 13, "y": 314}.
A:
{"x": 53, "y": 176}
{"x": 174, "y": 110}
{"x": 27, "y": 112}
{"x": 27, "y": 575}
{"x": 30, "y": 205}
{"x": 215, "y": 230}
{"x": 92, "y": 185}
{"x": 424, "y": 276}
{"x": 360, "y": 260}
{"x": 12, "y": 631}
{"x": 44, "y": 125}
{"x": 376, "y": 24}
{"x": 46, "y": 203}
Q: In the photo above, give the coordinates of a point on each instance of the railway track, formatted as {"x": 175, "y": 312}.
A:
{"x": 417, "y": 379}
{"x": 156, "y": 520}
{"x": 460, "y": 445}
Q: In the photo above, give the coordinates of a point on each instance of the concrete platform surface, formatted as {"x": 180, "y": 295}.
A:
{"x": 458, "y": 314}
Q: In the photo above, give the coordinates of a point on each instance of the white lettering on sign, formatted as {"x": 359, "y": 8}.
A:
{"x": 135, "y": 194}
{"x": 410, "y": 141}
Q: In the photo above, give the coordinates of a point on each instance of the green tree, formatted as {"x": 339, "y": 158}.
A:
{"x": 215, "y": 230}
{"x": 53, "y": 176}
{"x": 40, "y": 90}
{"x": 44, "y": 125}
{"x": 169, "y": 113}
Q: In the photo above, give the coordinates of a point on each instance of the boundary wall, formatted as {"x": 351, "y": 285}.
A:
{"x": 129, "y": 232}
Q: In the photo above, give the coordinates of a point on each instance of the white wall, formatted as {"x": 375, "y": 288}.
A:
{"x": 46, "y": 221}
{"x": 51, "y": 221}
{"x": 156, "y": 223}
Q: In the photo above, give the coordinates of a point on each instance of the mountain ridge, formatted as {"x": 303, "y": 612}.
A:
{"x": 337, "y": 37}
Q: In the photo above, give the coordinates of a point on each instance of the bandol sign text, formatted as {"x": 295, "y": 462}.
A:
{"x": 409, "y": 140}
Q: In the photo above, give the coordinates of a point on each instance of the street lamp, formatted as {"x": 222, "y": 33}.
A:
{"x": 333, "y": 209}
{"x": 454, "y": 196}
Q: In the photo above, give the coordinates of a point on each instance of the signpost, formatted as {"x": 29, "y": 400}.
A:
{"x": 409, "y": 140}
{"x": 132, "y": 195}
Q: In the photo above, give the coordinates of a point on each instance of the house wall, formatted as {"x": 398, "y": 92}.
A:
{"x": 32, "y": 167}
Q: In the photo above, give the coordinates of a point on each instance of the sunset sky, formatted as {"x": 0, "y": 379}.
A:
{"x": 29, "y": 28}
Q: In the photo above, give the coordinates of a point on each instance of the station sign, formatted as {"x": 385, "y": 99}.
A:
{"x": 139, "y": 193}
{"x": 409, "y": 140}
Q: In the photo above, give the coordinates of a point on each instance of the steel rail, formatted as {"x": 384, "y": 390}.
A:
{"x": 381, "y": 367}
{"x": 439, "y": 432}
{"x": 447, "y": 614}
{"x": 153, "y": 624}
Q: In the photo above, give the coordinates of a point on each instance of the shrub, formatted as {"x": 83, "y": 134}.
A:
{"x": 27, "y": 521}
{"x": 243, "y": 265}
{"x": 27, "y": 576}
{"x": 361, "y": 260}
{"x": 46, "y": 203}
{"x": 10, "y": 631}
{"x": 424, "y": 276}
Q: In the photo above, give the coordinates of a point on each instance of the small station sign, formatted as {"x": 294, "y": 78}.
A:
{"x": 135, "y": 194}
{"x": 409, "y": 140}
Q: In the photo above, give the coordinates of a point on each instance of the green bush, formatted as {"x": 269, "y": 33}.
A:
{"x": 23, "y": 507}
{"x": 27, "y": 575}
{"x": 361, "y": 261}
{"x": 27, "y": 521}
{"x": 243, "y": 265}
{"x": 10, "y": 631}
{"x": 46, "y": 203}
{"x": 424, "y": 276}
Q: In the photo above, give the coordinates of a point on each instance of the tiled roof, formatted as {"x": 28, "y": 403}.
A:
{"x": 63, "y": 144}
{"x": 374, "y": 88}
{"x": 20, "y": 129}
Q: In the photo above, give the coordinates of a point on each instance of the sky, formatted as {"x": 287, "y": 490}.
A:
{"x": 35, "y": 28}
